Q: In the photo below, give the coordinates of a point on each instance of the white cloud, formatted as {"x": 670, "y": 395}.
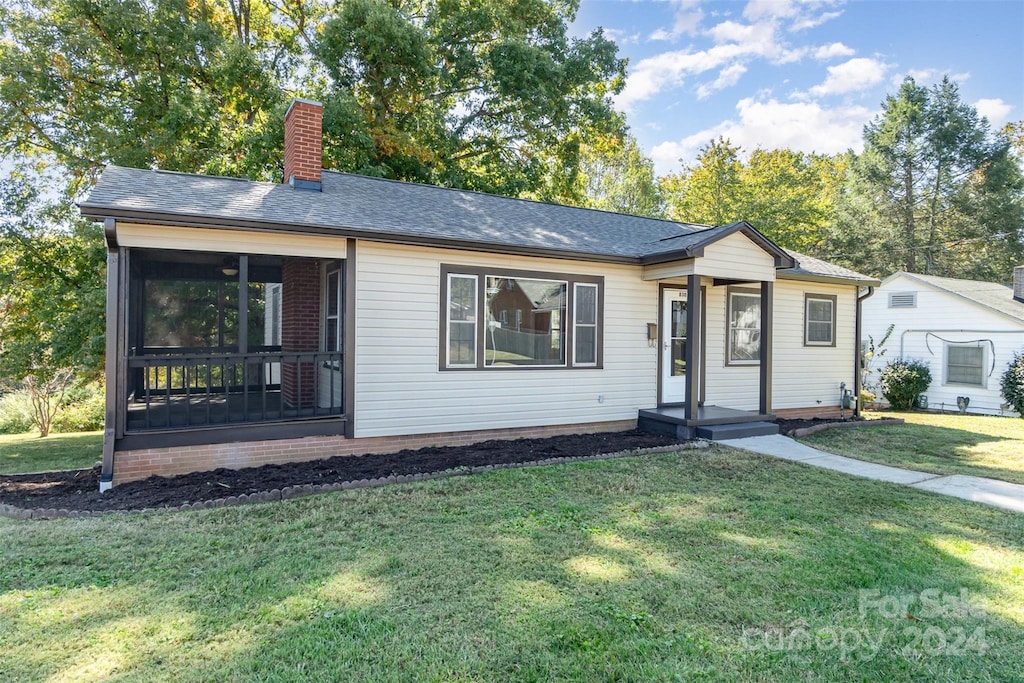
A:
{"x": 757, "y": 10}
{"x": 770, "y": 124}
{"x": 832, "y": 51}
{"x": 995, "y": 110}
{"x": 727, "y": 77}
{"x": 686, "y": 22}
{"x": 810, "y": 21}
{"x": 854, "y": 75}
{"x": 927, "y": 77}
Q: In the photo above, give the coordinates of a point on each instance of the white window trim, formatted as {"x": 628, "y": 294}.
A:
{"x": 807, "y": 320}
{"x": 575, "y": 325}
{"x": 729, "y": 328}
{"x": 448, "y": 321}
{"x": 984, "y": 365}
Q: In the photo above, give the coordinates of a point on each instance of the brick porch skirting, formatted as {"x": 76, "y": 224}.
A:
{"x": 142, "y": 463}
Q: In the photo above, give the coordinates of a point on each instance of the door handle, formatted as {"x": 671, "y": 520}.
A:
{"x": 665, "y": 346}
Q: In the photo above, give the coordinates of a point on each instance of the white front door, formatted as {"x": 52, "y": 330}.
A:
{"x": 673, "y": 345}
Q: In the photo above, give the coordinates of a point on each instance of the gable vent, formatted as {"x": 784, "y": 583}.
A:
{"x": 903, "y": 300}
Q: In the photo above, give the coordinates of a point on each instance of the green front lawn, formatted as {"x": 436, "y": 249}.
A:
{"x": 944, "y": 444}
{"x": 706, "y": 565}
{"x": 29, "y": 453}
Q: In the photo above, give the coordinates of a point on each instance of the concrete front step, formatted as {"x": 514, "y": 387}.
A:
{"x": 737, "y": 431}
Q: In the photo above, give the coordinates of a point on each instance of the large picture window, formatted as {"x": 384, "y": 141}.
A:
{"x": 744, "y": 334}
{"x": 516, "y": 319}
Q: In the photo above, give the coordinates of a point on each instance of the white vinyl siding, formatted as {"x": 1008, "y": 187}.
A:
{"x": 401, "y": 390}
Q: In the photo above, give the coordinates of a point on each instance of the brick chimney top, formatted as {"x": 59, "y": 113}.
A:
{"x": 303, "y": 144}
{"x": 1018, "y": 283}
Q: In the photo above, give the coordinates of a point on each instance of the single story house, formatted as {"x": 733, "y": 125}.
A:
{"x": 966, "y": 330}
{"x": 253, "y": 323}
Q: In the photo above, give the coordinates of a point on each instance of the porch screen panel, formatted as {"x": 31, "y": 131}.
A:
{"x": 462, "y": 318}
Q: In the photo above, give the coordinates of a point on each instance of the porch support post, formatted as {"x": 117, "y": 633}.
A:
{"x": 766, "y": 347}
{"x": 349, "y": 342}
{"x": 692, "y": 354}
{"x": 116, "y": 356}
{"x": 243, "y": 303}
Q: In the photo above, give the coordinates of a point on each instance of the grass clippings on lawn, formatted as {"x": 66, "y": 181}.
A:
{"x": 976, "y": 445}
{"x": 705, "y": 565}
{"x": 30, "y": 453}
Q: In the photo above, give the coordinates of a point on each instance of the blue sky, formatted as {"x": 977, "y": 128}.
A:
{"x": 804, "y": 75}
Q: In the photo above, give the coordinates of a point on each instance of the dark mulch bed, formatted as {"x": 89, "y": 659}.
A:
{"x": 79, "y": 489}
{"x": 789, "y": 426}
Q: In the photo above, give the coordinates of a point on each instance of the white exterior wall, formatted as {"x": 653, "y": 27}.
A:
{"x": 803, "y": 376}
{"x": 400, "y": 389}
{"x": 936, "y": 311}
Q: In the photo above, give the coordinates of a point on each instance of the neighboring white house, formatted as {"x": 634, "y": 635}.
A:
{"x": 966, "y": 330}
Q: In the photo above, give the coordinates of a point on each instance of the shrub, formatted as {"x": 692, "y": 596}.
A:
{"x": 82, "y": 410}
{"x": 866, "y": 397}
{"x": 903, "y": 380}
{"x": 1012, "y": 383}
{"x": 15, "y": 413}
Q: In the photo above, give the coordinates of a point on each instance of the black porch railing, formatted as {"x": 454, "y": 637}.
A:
{"x": 201, "y": 389}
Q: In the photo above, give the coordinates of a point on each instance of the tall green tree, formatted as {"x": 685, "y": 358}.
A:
{"x": 51, "y": 296}
{"x": 935, "y": 191}
{"x": 619, "y": 177}
{"x": 789, "y": 196}
{"x": 490, "y": 95}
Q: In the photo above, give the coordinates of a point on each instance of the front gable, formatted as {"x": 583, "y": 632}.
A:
{"x": 736, "y": 256}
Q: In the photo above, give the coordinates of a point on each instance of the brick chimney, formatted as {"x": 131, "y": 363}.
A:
{"x": 1018, "y": 283}
{"x": 303, "y": 144}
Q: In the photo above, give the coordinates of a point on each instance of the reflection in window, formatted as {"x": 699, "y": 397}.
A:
{"x": 744, "y": 327}
{"x": 538, "y": 335}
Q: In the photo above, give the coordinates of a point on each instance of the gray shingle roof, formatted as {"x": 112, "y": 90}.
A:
{"x": 990, "y": 295}
{"x": 815, "y": 267}
{"x": 370, "y": 207}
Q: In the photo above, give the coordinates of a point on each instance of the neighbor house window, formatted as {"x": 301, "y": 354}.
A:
{"x": 555, "y": 321}
{"x": 744, "y": 336}
{"x": 965, "y": 364}
{"x": 819, "y": 320}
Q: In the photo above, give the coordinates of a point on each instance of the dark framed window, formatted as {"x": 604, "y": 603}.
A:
{"x": 502, "y": 319}
{"x": 743, "y": 337}
{"x": 820, "y": 320}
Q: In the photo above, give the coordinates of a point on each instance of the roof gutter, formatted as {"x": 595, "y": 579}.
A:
{"x": 858, "y": 332}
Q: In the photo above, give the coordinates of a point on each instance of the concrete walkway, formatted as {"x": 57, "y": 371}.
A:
{"x": 1000, "y": 494}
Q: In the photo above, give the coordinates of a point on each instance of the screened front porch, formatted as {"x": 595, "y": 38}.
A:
{"x": 221, "y": 339}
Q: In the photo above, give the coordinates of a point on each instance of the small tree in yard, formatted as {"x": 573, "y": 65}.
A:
{"x": 902, "y": 381}
{"x": 1012, "y": 383}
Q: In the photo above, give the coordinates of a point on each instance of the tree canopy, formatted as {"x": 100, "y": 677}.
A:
{"x": 789, "y": 196}
{"x": 935, "y": 191}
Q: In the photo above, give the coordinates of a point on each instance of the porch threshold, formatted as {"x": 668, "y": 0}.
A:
{"x": 706, "y": 416}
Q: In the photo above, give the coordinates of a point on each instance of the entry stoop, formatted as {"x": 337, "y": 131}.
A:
{"x": 712, "y": 422}
{"x": 737, "y": 431}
